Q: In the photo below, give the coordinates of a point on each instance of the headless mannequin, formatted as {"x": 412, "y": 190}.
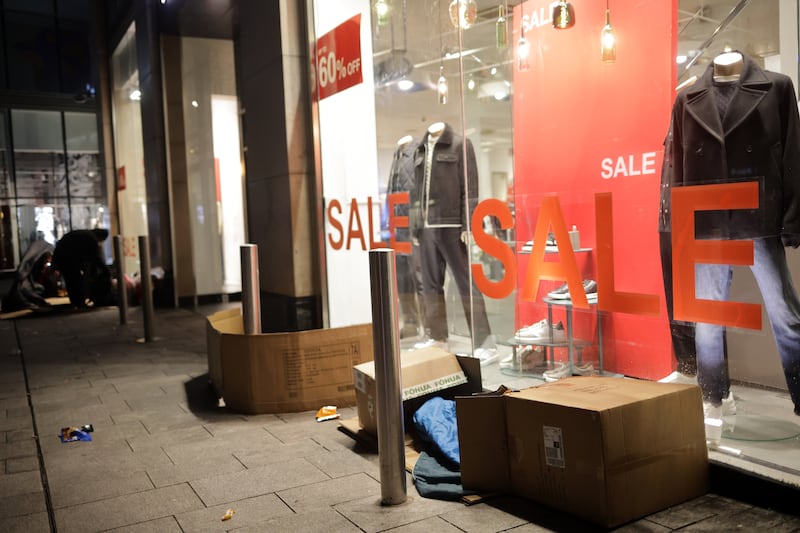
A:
{"x": 728, "y": 66}
{"x": 436, "y": 129}
{"x": 402, "y": 142}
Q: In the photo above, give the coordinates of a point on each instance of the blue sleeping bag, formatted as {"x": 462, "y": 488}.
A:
{"x": 435, "y": 423}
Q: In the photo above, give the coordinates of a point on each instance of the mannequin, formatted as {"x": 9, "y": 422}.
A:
{"x": 738, "y": 123}
{"x": 439, "y": 201}
{"x": 409, "y": 284}
{"x": 728, "y": 66}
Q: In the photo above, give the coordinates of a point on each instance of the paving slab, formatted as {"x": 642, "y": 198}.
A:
{"x": 25, "y": 524}
{"x": 257, "y": 481}
{"x": 89, "y": 486}
{"x": 247, "y": 512}
{"x": 127, "y": 510}
{"x": 369, "y": 515}
{"x": 191, "y": 471}
{"x": 311, "y": 497}
{"x": 22, "y": 504}
{"x": 168, "y": 524}
{"x": 20, "y": 483}
{"x": 323, "y": 521}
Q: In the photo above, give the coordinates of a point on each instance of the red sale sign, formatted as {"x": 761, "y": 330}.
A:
{"x": 339, "y": 58}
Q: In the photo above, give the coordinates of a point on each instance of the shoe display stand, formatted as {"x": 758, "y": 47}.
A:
{"x": 574, "y": 346}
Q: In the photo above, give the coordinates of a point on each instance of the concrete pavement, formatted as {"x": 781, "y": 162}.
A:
{"x": 165, "y": 457}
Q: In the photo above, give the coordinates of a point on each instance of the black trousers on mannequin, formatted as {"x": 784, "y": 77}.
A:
{"x": 683, "y": 335}
{"x": 441, "y": 248}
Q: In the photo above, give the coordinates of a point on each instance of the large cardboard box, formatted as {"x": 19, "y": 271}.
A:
{"x": 283, "y": 372}
{"x": 608, "y": 450}
{"x": 424, "y": 373}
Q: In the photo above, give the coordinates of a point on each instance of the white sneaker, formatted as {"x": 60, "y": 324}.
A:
{"x": 424, "y": 342}
{"x": 583, "y": 369}
{"x": 507, "y": 361}
{"x": 559, "y": 370}
{"x": 487, "y": 356}
{"x": 540, "y": 332}
{"x": 728, "y": 405}
{"x": 712, "y": 420}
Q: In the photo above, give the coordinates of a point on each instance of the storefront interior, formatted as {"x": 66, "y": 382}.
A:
{"x": 426, "y": 69}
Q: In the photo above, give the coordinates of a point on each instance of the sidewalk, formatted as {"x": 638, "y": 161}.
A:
{"x": 164, "y": 457}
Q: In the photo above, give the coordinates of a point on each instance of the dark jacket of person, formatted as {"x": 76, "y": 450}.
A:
{"x": 757, "y": 140}
{"x": 441, "y": 200}
{"x": 80, "y": 258}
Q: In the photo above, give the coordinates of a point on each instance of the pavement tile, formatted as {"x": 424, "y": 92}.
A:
{"x": 255, "y": 439}
{"x": 752, "y": 519}
{"x": 17, "y": 422}
{"x": 696, "y": 510}
{"x": 168, "y": 524}
{"x": 279, "y": 453}
{"x": 247, "y": 512}
{"x": 85, "y": 459}
{"x": 481, "y": 518}
{"x": 18, "y": 435}
{"x": 20, "y": 448}
{"x": 92, "y": 485}
{"x": 128, "y": 510}
{"x": 344, "y": 463}
{"x": 164, "y": 438}
{"x": 256, "y": 481}
{"x": 25, "y": 524}
{"x": 369, "y": 515}
{"x": 214, "y": 466}
{"x": 436, "y": 525}
{"x": 311, "y": 497}
{"x": 20, "y": 483}
{"x": 22, "y": 464}
{"x": 323, "y": 521}
{"x": 22, "y": 504}
{"x": 640, "y": 526}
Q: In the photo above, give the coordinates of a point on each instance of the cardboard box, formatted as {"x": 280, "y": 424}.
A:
{"x": 608, "y": 450}
{"x": 424, "y": 373}
{"x": 283, "y": 372}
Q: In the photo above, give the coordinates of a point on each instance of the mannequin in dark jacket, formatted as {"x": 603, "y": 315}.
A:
{"x": 439, "y": 220}
{"x": 80, "y": 259}
{"x": 739, "y": 123}
{"x": 409, "y": 282}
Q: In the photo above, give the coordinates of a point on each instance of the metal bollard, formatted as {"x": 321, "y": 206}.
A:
{"x": 122, "y": 288}
{"x": 147, "y": 288}
{"x": 389, "y": 401}
{"x": 251, "y": 291}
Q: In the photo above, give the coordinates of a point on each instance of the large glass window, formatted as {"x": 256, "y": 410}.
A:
{"x": 213, "y": 163}
{"x": 130, "y": 181}
{"x": 556, "y": 139}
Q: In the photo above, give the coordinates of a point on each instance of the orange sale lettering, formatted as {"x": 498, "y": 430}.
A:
{"x": 494, "y": 247}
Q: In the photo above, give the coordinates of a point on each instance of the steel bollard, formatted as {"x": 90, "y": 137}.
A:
{"x": 122, "y": 288}
{"x": 251, "y": 291}
{"x": 147, "y": 288}
{"x": 389, "y": 401}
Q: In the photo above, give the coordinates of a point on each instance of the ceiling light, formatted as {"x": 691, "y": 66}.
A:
{"x": 501, "y": 28}
{"x": 405, "y": 84}
{"x": 463, "y": 13}
{"x": 608, "y": 40}
{"x": 195, "y": 104}
{"x": 136, "y": 95}
{"x": 563, "y": 15}
{"x": 382, "y": 10}
{"x": 441, "y": 87}
{"x": 681, "y": 59}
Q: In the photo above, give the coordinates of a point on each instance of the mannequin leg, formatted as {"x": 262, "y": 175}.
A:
{"x": 455, "y": 253}
{"x": 683, "y": 343}
{"x": 433, "y": 266}
{"x": 713, "y": 282}
{"x": 783, "y": 308}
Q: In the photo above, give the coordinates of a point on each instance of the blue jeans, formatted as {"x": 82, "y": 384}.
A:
{"x": 713, "y": 282}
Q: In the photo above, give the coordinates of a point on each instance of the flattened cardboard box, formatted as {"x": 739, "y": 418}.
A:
{"x": 609, "y": 450}
{"x": 283, "y": 372}
{"x": 424, "y": 373}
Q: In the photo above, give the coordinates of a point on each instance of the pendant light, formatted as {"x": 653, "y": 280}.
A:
{"x": 463, "y": 13}
{"x": 441, "y": 86}
{"x": 563, "y": 15}
{"x": 382, "y": 9}
{"x": 501, "y": 29}
{"x": 608, "y": 40}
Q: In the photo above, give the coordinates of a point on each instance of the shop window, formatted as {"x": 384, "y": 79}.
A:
{"x": 38, "y": 154}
